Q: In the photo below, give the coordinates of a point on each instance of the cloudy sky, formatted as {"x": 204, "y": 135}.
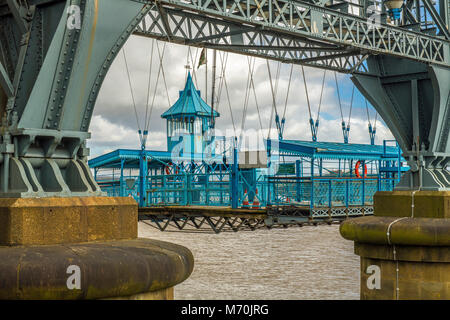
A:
{"x": 114, "y": 124}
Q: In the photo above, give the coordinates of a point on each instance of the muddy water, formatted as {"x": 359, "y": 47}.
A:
{"x": 294, "y": 263}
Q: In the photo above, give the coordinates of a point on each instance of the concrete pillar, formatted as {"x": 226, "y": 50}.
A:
{"x": 83, "y": 248}
{"x": 405, "y": 246}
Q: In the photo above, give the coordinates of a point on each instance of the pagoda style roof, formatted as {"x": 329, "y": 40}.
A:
{"x": 189, "y": 103}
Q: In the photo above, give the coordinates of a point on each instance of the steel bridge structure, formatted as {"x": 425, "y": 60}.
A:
{"x": 55, "y": 54}
{"x": 301, "y": 32}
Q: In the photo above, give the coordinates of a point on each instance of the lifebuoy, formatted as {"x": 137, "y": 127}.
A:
{"x": 168, "y": 168}
{"x": 358, "y": 164}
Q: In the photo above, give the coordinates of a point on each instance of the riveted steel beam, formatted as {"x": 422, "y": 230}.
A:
{"x": 443, "y": 28}
{"x": 303, "y": 20}
{"x": 414, "y": 101}
{"x": 19, "y": 13}
{"x": 204, "y": 31}
{"x": 5, "y": 82}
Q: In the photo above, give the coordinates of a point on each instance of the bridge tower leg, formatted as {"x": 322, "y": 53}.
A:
{"x": 54, "y": 57}
{"x": 405, "y": 247}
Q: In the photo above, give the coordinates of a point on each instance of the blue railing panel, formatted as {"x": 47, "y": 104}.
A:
{"x": 213, "y": 189}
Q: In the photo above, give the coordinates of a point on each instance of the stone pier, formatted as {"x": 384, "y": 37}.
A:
{"x": 84, "y": 248}
{"x": 405, "y": 246}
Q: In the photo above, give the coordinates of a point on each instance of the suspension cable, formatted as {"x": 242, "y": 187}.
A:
{"x": 193, "y": 59}
{"x": 274, "y": 105}
{"x": 314, "y": 125}
{"x": 277, "y": 78}
{"x": 321, "y": 94}
{"x": 254, "y": 94}
{"x": 228, "y": 98}
{"x": 154, "y": 92}
{"x": 222, "y": 70}
{"x": 351, "y": 107}
{"x": 246, "y": 98}
{"x": 149, "y": 86}
{"x": 376, "y": 117}
{"x": 307, "y": 95}
{"x": 189, "y": 53}
{"x": 251, "y": 68}
{"x": 339, "y": 96}
{"x": 367, "y": 111}
{"x": 161, "y": 57}
{"x": 131, "y": 89}
{"x": 288, "y": 89}
{"x": 368, "y": 115}
{"x": 187, "y": 66}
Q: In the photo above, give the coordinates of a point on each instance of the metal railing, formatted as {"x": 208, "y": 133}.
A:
{"x": 188, "y": 189}
{"x": 325, "y": 191}
{"x": 212, "y": 189}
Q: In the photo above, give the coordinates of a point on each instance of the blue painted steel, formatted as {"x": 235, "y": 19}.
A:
{"x": 372, "y": 133}
{"x": 334, "y": 150}
{"x": 189, "y": 123}
{"x": 395, "y": 13}
{"x": 189, "y": 103}
{"x": 298, "y": 174}
{"x": 196, "y": 180}
{"x": 280, "y": 126}
{"x": 322, "y": 192}
{"x": 121, "y": 183}
{"x": 226, "y": 189}
{"x": 314, "y": 125}
{"x": 188, "y": 189}
{"x": 345, "y": 132}
{"x": 112, "y": 159}
{"x": 235, "y": 180}
{"x": 311, "y": 202}
{"x": 142, "y": 179}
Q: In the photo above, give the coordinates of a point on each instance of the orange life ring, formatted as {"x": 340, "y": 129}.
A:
{"x": 358, "y": 164}
{"x": 168, "y": 168}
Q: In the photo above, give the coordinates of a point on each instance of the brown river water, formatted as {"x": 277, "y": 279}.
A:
{"x": 311, "y": 262}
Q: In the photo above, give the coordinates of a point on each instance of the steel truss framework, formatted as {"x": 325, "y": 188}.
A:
{"x": 210, "y": 32}
{"x": 288, "y": 30}
{"x": 204, "y": 223}
{"x": 218, "y": 224}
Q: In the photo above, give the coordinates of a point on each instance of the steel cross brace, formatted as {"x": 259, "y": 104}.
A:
{"x": 314, "y": 22}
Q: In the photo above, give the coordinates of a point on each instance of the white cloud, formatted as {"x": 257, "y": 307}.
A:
{"x": 108, "y": 136}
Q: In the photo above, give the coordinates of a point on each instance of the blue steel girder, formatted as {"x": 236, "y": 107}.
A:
{"x": 56, "y": 65}
{"x": 414, "y": 101}
{"x": 291, "y": 31}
